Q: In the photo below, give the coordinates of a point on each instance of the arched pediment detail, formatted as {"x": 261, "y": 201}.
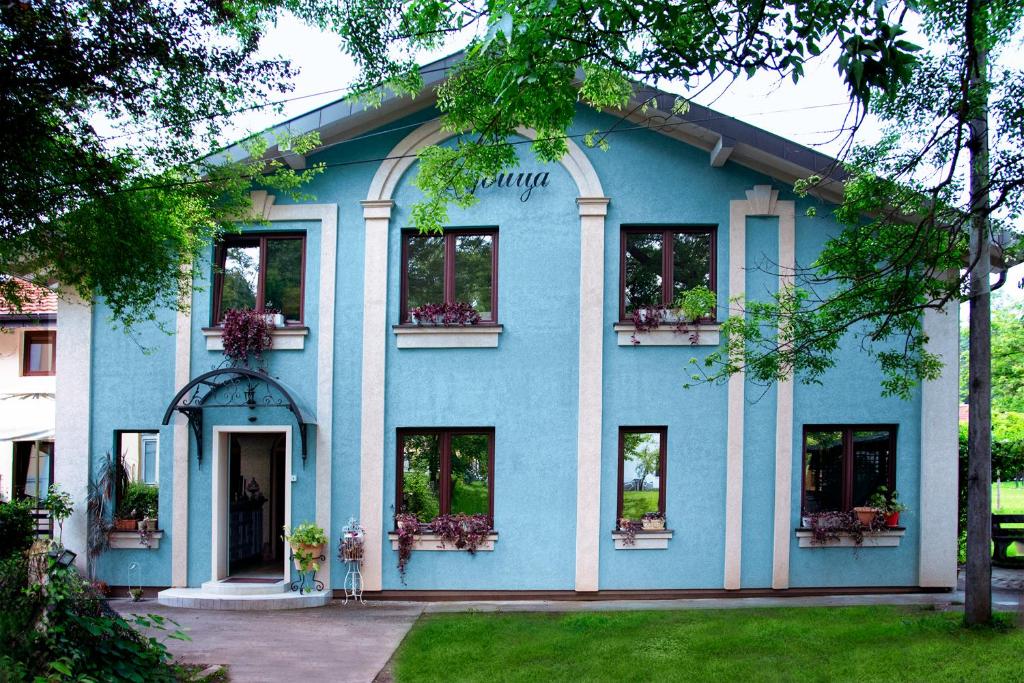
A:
{"x": 403, "y": 155}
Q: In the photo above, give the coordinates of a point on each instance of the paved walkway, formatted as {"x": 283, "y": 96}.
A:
{"x": 354, "y": 643}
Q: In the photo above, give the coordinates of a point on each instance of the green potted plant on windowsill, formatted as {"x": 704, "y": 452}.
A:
{"x": 307, "y": 543}
{"x": 889, "y": 505}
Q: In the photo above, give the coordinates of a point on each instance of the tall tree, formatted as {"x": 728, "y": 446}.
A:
{"x": 918, "y": 207}
{"x": 106, "y": 108}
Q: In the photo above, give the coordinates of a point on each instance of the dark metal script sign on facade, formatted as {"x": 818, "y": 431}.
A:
{"x": 525, "y": 182}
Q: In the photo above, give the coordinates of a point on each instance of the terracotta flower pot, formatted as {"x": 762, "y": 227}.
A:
{"x": 866, "y": 515}
{"x": 126, "y": 524}
{"x": 313, "y": 551}
{"x": 892, "y": 519}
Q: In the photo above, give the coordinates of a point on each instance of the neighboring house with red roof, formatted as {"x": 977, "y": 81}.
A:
{"x": 28, "y": 352}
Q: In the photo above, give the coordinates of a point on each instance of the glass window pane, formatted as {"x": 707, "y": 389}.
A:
{"x": 641, "y": 467}
{"x": 39, "y": 352}
{"x": 241, "y": 275}
{"x": 872, "y": 451}
{"x": 691, "y": 262}
{"x": 421, "y": 472}
{"x": 149, "y": 462}
{"x": 473, "y": 272}
{"x": 823, "y": 471}
{"x": 643, "y": 270}
{"x": 425, "y": 270}
{"x": 469, "y": 472}
{"x": 282, "y": 287}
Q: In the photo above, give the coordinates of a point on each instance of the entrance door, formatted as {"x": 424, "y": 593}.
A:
{"x": 256, "y": 497}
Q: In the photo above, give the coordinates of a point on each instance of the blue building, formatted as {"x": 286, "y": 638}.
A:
{"x": 544, "y": 415}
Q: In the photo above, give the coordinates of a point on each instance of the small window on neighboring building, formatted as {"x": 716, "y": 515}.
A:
{"x": 33, "y": 469}
{"x": 657, "y": 264}
{"x": 845, "y": 464}
{"x": 261, "y": 272}
{"x": 445, "y": 471}
{"x": 642, "y": 452}
{"x": 458, "y": 267}
{"x": 40, "y": 353}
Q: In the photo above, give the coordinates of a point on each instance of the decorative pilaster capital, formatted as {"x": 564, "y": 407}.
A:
{"x": 593, "y": 206}
{"x": 377, "y": 208}
{"x": 761, "y": 200}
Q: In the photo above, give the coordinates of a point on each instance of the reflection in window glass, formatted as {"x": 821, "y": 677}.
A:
{"x": 691, "y": 261}
{"x": 473, "y": 272}
{"x": 641, "y": 469}
{"x": 643, "y": 270}
{"x": 421, "y": 472}
{"x": 469, "y": 476}
{"x": 425, "y": 270}
{"x": 140, "y": 455}
{"x": 149, "y": 459}
{"x": 241, "y": 275}
{"x": 282, "y": 283}
{"x": 871, "y": 453}
{"x": 823, "y": 471}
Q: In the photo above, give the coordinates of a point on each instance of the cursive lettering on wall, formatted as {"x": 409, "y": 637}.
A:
{"x": 528, "y": 182}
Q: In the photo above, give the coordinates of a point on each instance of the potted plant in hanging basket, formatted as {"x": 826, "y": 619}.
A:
{"x": 653, "y": 521}
{"x": 889, "y": 505}
{"x": 307, "y": 543}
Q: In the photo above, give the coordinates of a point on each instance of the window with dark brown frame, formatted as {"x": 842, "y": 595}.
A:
{"x": 462, "y": 457}
{"x": 458, "y": 266}
{"x": 656, "y": 264}
{"x": 642, "y": 464}
{"x": 844, "y": 464}
{"x": 263, "y": 272}
{"x": 39, "y": 355}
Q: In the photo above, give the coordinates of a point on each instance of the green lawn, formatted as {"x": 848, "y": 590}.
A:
{"x": 470, "y": 498}
{"x": 859, "y": 644}
{"x": 1011, "y": 499}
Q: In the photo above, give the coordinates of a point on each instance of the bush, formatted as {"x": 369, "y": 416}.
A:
{"x": 17, "y": 528}
{"x": 139, "y": 500}
{"x": 63, "y": 630}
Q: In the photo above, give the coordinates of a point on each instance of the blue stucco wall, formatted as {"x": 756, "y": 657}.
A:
{"x": 526, "y": 389}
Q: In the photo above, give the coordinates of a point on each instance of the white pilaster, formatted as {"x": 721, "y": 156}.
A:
{"x": 73, "y": 400}
{"x": 786, "y": 211}
{"x": 939, "y": 455}
{"x": 377, "y": 215}
{"x": 180, "y": 440}
{"x": 734, "y": 437}
{"x": 588, "y": 473}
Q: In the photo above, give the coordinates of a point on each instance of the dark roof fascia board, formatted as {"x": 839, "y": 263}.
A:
{"x": 27, "y": 319}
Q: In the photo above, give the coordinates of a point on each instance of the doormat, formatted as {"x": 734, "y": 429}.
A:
{"x": 244, "y": 579}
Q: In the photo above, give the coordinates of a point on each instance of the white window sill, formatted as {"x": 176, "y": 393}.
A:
{"x": 644, "y": 540}
{"x": 455, "y": 337}
{"x": 888, "y": 538}
{"x": 129, "y": 540}
{"x": 285, "y": 338}
{"x": 707, "y": 334}
{"x": 433, "y": 542}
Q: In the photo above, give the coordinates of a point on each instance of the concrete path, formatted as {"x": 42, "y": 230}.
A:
{"x": 335, "y": 643}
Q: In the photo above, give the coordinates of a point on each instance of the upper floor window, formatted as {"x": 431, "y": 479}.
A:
{"x": 641, "y": 471}
{"x": 845, "y": 464}
{"x": 445, "y": 471}
{"x": 39, "y": 355}
{"x": 261, "y": 272}
{"x": 657, "y": 264}
{"x": 459, "y": 266}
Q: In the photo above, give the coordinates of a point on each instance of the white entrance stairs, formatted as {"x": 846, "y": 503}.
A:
{"x": 241, "y": 595}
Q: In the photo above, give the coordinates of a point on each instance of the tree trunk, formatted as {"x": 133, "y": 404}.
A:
{"x": 978, "y": 587}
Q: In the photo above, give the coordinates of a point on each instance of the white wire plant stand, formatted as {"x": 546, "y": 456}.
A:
{"x": 352, "y": 539}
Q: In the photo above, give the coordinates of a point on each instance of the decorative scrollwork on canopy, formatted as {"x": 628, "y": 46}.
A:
{"x": 235, "y": 387}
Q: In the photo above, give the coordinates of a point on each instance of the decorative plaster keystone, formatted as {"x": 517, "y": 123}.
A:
{"x": 762, "y": 200}
{"x": 262, "y": 203}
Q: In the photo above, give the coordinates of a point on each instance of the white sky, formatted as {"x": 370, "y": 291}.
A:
{"x": 808, "y": 112}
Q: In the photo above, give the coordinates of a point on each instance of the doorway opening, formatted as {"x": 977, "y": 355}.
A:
{"x": 255, "y": 506}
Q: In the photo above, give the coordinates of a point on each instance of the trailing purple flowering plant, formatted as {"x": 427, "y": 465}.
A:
{"x": 246, "y": 333}
{"x": 629, "y": 527}
{"x": 449, "y": 315}
{"x": 465, "y": 532}
{"x": 827, "y": 527}
{"x": 407, "y": 526}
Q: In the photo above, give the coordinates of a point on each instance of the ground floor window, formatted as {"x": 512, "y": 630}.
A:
{"x": 445, "y": 471}
{"x": 33, "y": 469}
{"x": 845, "y": 464}
{"x": 641, "y": 471}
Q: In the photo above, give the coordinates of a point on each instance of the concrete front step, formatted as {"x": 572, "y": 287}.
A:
{"x": 197, "y": 598}
{"x": 245, "y": 588}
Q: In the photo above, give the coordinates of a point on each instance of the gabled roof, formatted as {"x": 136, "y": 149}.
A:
{"x": 724, "y": 138}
